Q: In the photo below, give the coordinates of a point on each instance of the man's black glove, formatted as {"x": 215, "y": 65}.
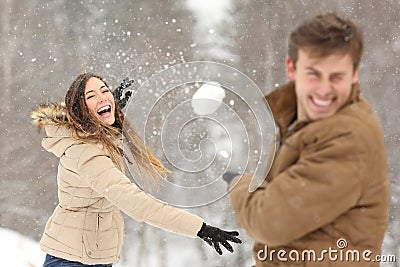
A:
{"x": 228, "y": 176}
{"x": 215, "y": 236}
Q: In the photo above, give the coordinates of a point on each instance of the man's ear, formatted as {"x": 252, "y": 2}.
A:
{"x": 290, "y": 69}
{"x": 355, "y": 75}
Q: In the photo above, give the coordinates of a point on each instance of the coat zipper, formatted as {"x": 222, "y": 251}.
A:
{"x": 97, "y": 230}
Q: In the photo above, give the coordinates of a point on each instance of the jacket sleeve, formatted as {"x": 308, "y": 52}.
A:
{"x": 324, "y": 183}
{"x": 101, "y": 174}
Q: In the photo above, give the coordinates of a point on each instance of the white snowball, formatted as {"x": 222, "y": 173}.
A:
{"x": 208, "y": 98}
{"x": 224, "y": 154}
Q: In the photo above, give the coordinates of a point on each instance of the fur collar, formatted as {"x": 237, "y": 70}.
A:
{"x": 283, "y": 103}
{"x": 49, "y": 114}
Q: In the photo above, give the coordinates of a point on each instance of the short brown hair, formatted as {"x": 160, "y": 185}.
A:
{"x": 326, "y": 34}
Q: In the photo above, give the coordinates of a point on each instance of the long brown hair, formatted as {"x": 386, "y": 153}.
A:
{"x": 88, "y": 128}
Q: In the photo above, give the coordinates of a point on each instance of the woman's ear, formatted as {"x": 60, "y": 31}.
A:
{"x": 290, "y": 69}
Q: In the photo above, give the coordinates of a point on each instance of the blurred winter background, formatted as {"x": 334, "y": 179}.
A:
{"x": 45, "y": 44}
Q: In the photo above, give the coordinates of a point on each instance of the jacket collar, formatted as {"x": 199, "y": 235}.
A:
{"x": 283, "y": 104}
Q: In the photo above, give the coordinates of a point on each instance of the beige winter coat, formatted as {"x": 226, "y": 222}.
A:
{"x": 327, "y": 188}
{"x": 86, "y": 225}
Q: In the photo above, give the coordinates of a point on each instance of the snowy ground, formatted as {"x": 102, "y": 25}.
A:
{"x": 18, "y": 250}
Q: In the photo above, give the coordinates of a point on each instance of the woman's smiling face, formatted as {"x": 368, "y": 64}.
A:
{"x": 100, "y": 100}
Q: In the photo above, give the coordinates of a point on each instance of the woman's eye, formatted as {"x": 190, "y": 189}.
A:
{"x": 89, "y": 97}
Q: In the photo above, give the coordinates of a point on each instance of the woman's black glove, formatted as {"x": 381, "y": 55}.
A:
{"x": 228, "y": 176}
{"x": 122, "y": 98}
{"x": 215, "y": 236}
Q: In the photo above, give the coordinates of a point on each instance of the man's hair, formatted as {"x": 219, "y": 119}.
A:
{"x": 326, "y": 34}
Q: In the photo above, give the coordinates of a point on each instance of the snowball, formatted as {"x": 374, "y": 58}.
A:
{"x": 224, "y": 154}
{"x": 208, "y": 98}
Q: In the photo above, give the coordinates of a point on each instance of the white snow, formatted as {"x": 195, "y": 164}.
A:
{"x": 213, "y": 11}
{"x": 21, "y": 251}
{"x": 210, "y": 18}
{"x": 18, "y": 250}
{"x": 208, "y": 98}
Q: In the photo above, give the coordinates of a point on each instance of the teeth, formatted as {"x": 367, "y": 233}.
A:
{"x": 104, "y": 109}
{"x": 323, "y": 103}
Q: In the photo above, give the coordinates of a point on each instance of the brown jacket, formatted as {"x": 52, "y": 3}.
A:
{"x": 86, "y": 225}
{"x": 327, "y": 189}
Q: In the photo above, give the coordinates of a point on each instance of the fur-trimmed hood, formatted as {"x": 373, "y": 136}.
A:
{"x": 50, "y": 114}
{"x": 53, "y": 119}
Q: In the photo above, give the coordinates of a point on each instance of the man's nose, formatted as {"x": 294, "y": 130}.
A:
{"x": 325, "y": 88}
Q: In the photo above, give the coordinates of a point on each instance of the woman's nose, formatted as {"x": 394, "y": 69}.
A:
{"x": 102, "y": 98}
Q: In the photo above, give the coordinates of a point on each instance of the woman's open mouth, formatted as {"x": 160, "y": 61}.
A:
{"x": 105, "y": 111}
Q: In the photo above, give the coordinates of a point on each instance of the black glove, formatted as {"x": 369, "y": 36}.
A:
{"x": 214, "y": 236}
{"x": 228, "y": 176}
{"x": 122, "y": 99}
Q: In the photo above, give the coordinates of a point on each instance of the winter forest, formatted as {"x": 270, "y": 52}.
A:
{"x": 46, "y": 44}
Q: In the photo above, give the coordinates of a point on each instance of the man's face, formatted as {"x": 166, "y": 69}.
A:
{"x": 323, "y": 85}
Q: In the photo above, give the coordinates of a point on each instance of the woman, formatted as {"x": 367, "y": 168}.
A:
{"x": 86, "y": 228}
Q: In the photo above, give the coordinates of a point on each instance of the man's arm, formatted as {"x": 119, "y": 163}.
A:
{"x": 323, "y": 184}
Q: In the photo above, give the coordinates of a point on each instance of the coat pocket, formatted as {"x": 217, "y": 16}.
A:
{"x": 102, "y": 241}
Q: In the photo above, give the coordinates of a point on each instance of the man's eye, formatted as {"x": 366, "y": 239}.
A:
{"x": 336, "y": 78}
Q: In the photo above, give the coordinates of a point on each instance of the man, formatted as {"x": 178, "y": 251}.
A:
{"x": 325, "y": 200}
